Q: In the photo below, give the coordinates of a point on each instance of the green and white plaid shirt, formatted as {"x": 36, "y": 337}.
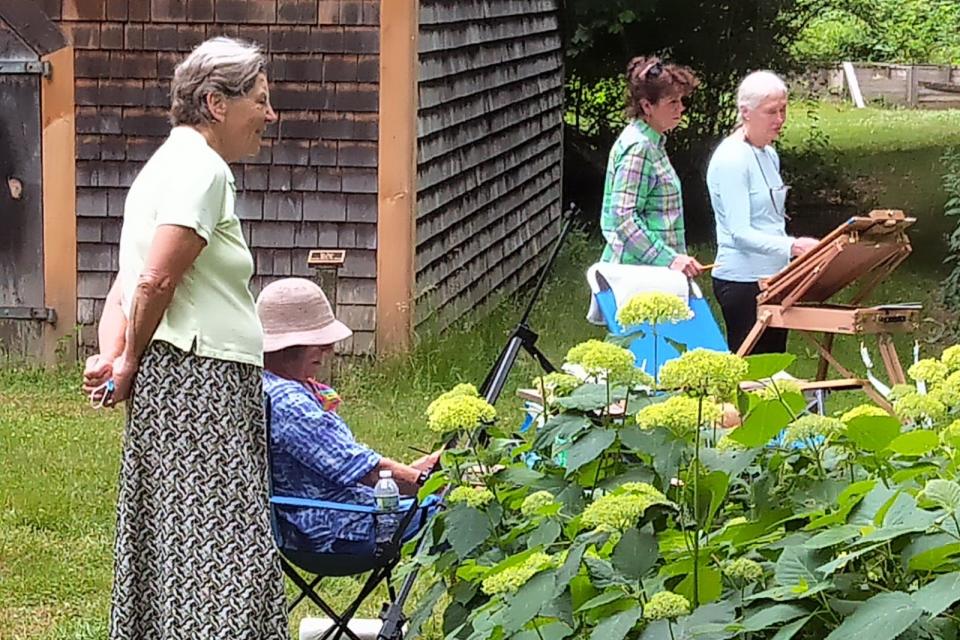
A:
{"x": 642, "y": 214}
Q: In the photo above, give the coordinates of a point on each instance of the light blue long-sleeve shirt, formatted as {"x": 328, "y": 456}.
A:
{"x": 748, "y": 200}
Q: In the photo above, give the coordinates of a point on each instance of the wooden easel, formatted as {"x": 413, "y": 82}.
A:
{"x": 863, "y": 250}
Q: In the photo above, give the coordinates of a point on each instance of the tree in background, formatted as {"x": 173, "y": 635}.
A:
{"x": 911, "y": 31}
{"x": 721, "y": 41}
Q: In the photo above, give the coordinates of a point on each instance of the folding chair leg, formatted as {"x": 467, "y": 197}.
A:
{"x": 303, "y": 594}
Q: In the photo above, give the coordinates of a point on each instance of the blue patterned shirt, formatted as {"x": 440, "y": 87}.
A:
{"x": 316, "y": 456}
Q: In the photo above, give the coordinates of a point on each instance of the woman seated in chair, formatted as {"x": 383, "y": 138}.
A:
{"x": 315, "y": 455}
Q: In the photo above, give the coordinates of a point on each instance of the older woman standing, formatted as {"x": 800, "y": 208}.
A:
{"x": 642, "y": 213}
{"x": 181, "y": 340}
{"x": 749, "y": 203}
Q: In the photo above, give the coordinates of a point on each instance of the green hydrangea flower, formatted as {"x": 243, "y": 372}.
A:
{"x": 679, "y": 414}
{"x": 783, "y": 386}
{"x": 462, "y": 389}
{"x": 475, "y": 497}
{"x": 863, "y": 410}
{"x": 557, "y": 383}
{"x": 898, "y": 391}
{"x": 600, "y": 358}
{"x": 459, "y": 412}
{"x": 654, "y": 307}
{"x": 743, "y": 570}
{"x": 916, "y": 408}
{"x": 951, "y": 358}
{"x": 534, "y": 502}
{"x": 951, "y": 435}
{"x": 512, "y": 578}
{"x": 641, "y": 489}
{"x": 947, "y": 395}
{"x": 928, "y": 370}
{"x": 728, "y": 445}
{"x": 666, "y": 605}
{"x": 621, "y": 510}
{"x": 812, "y": 425}
{"x": 705, "y": 373}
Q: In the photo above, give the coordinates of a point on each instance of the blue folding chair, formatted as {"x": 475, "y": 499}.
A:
{"x": 380, "y": 562}
{"x": 701, "y": 330}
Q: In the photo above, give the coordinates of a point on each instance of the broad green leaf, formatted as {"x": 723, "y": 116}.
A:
{"x": 769, "y": 616}
{"x": 883, "y": 617}
{"x": 603, "y": 573}
{"x": 800, "y": 591}
{"x": 519, "y": 476}
{"x": 765, "y": 421}
{"x": 732, "y": 463}
{"x": 942, "y": 493}
{"x": 838, "y": 563}
{"x": 635, "y": 554}
{"x": 590, "y": 397}
{"x": 833, "y": 537}
{"x": 873, "y": 433}
{"x": 915, "y": 443}
{"x": 555, "y": 630}
{"x": 433, "y": 484}
{"x": 798, "y": 565}
{"x": 544, "y": 535}
{"x": 589, "y": 448}
{"x": 707, "y": 622}
{"x": 710, "y": 585}
{"x": 564, "y": 426}
{"x": 571, "y": 565}
{"x": 762, "y": 366}
{"x": 617, "y": 626}
{"x": 664, "y": 449}
{"x": 466, "y": 529}
{"x": 788, "y": 631}
{"x": 713, "y": 487}
{"x": 930, "y": 552}
{"x": 873, "y": 503}
{"x": 604, "y": 598}
{"x": 526, "y": 603}
{"x": 939, "y": 595}
{"x": 559, "y": 607}
{"x": 425, "y": 607}
{"x": 916, "y": 471}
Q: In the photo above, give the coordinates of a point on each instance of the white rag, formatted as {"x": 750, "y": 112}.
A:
{"x": 627, "y": 280}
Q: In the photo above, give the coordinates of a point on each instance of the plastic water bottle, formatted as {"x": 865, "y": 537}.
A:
{"x": 386, "y": 496}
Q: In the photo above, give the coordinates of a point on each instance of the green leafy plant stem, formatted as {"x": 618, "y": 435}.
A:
{"x": 696, "y": 506}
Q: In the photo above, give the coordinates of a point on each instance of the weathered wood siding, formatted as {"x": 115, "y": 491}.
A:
{"x": 489, "y": 149}
{"x": 314, "y": 183}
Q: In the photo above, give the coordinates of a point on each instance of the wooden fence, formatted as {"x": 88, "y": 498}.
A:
{"x": 912, "y": 85}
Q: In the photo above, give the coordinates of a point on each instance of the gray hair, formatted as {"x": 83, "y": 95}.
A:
{"x": 220, "y": 65}
{"x": 756, "y": 88}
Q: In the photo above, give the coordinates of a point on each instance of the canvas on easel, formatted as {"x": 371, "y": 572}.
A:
{"x": 862, "y": 251}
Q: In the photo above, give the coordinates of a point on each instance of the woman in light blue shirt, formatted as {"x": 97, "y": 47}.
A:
{"x": 749, "y": 204}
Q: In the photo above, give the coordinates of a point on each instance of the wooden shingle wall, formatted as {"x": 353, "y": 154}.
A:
{"x": 489, "y": 152}
{"x": 314, "y": 183}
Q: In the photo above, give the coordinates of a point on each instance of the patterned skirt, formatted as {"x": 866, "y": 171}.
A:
{"x": 195, "y": 558}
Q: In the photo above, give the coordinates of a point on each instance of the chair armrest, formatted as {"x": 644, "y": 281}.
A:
{"x": 287, "y": 501}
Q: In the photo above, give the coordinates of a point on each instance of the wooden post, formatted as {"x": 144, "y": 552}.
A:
{"x": 397, "y": 174}
{"x": 326, "y": 265}
{"x": 58, "y": 141}
{"x": 913, "y": 86}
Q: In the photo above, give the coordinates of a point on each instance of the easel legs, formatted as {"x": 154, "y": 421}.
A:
{"x": 827, "y": 357}
{"x": 751, "y": 340}
{"x": 888, "y": 352}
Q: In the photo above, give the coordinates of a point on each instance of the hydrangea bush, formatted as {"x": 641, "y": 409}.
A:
{"x": 628, "y": 512}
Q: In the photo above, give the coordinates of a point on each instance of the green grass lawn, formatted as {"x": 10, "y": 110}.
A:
{"x": 60, "y": 458}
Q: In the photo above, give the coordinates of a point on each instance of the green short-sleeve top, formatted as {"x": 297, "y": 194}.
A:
{"x": 188, "y": 184}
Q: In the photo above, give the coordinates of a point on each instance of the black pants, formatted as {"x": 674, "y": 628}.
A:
{"x": 738, "y": 301}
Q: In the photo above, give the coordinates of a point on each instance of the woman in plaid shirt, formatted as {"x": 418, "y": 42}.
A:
{"x": 642, "y": 213}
